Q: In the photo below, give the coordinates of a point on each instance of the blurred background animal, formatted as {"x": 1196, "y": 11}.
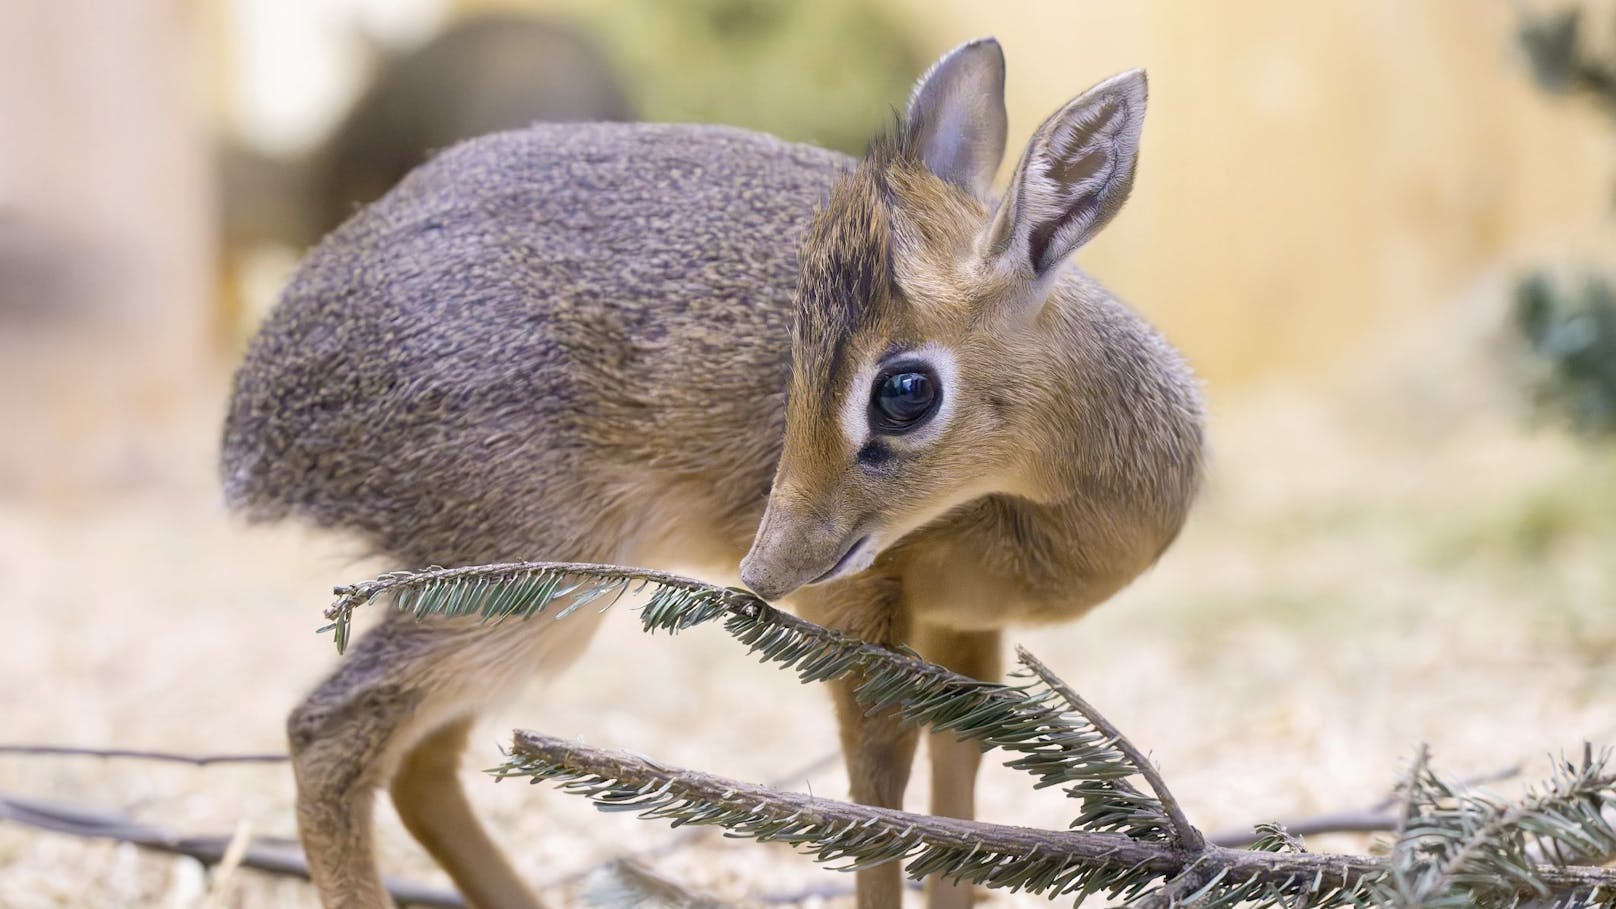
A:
{"x": 483, "y": 74}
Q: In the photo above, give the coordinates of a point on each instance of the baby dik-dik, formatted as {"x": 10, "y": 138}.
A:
{"x": 660, "y": 345}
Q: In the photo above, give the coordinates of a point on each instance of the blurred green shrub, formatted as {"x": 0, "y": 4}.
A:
{"x": 1570, "y": 332}
{"x": 1569, "y": 327}
{"x": 829, "y": 72}
{"x": 1555, "y": 47}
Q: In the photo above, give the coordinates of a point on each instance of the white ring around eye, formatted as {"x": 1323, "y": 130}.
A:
{"x": 855, "y": 415}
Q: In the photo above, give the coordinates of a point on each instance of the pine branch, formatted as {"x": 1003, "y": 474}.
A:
{"x": 1050, "y": 862}
{"x": 1056, "y": 746}
{"x": 994, "y": 855}
{"x": 1454, "y": 848}
{"x": 686, "y": 838}
{"x": 1474, "y": 843}
{"x": 1184, "y": 833}
{"x": 499, "y": 591}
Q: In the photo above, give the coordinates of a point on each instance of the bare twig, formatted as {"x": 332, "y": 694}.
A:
{"x": 627, "y": 883}
{"x": 198, "y": 760}
{"x": 1185, "y": 833}
{"x": 1366, "y": 821}
{"x": 287, "y": 861}
{"x": 234, "y": 851}
{"x": 1378, "y": 818}
{"x": 275, "y": 857}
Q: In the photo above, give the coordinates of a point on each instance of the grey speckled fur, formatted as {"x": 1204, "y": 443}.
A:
{"x": 440, "y": 364}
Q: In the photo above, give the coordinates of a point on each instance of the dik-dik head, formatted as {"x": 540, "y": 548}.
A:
{"x": 924, "y": 342}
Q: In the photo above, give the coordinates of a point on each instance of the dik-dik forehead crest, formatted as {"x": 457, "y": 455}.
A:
{"x": 885, "y": 268}
{"x": 848, "y": 283}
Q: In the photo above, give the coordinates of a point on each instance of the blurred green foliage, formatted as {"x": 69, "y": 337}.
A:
{"x": 828, "y": 72}
{"x": 1570, "y": 331}
{"x": 1555, "y": 45}
{"x": 1569, "y": 327}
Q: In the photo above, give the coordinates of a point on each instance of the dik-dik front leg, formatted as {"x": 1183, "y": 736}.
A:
{"x": 878, "y": 749}
{"x": 954, "y": 763}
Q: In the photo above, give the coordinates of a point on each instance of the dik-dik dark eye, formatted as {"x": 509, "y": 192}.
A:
{"x": 903, "y": 398}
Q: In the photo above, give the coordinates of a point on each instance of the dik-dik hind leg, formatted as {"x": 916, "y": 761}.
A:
{"x": 431, "y": 801}
{"x": 394, "y": 714}
{"x": 341, "y": 737}
{"x": 878, "y": 750}
{"x": 953, "y": 762}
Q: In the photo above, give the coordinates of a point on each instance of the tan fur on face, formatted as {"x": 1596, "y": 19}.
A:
{"x": 859, "y": 305}
{"x": 908, "y": 241}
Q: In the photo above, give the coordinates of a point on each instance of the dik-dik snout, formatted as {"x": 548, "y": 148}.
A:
{"x": 797, "y": 546}
{"x": 822, "y": 521}
{"x": 902, "y": 443}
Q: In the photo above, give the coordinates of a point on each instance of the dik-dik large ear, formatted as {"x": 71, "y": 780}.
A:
{"x": 956, "y": 116}
{"x": 1075, "y": 175}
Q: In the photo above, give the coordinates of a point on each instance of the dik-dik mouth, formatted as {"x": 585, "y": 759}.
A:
{"x": 857, "y": 558}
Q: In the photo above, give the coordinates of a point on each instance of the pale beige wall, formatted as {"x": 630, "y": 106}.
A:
{"x": 1311, "y": 171}
{"x": 1314, "y": 171}
{"x": 105, "y": 191}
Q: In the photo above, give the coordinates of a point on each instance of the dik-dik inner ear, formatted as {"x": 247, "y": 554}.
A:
{"x": 956, "y": 116}
{"x": 1075, "y": 175}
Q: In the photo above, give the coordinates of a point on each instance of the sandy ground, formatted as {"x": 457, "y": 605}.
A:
{"x": 1377, "y": 562}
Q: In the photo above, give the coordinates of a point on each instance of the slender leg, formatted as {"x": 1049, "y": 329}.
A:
{"x": 341, "y": 738}
{"x": 335, "y": 828}
{"x": 880, "y": 749}
{"x": 432, "y": 803}
{"x": 395, "y": 713}
{"x": 954, "y": 763}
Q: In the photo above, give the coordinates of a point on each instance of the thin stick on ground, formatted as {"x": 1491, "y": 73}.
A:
{"x": 1185, "y": 834}
{"x": 285, "y": 860}
{"x": 282, "y": 858}
{"x": 197, "y": 760}
{"x": 1377, "y": 818}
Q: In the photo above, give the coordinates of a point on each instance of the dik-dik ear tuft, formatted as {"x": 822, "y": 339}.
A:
{"x": 956, "y": 116}
{"x": 1075, "y": 175}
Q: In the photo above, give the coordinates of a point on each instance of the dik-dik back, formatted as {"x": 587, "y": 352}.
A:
{"x": 529, "y": 331}
{"x": 657, "y": 345}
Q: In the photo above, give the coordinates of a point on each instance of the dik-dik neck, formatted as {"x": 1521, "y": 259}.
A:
{"x": 1119, "y": 415}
